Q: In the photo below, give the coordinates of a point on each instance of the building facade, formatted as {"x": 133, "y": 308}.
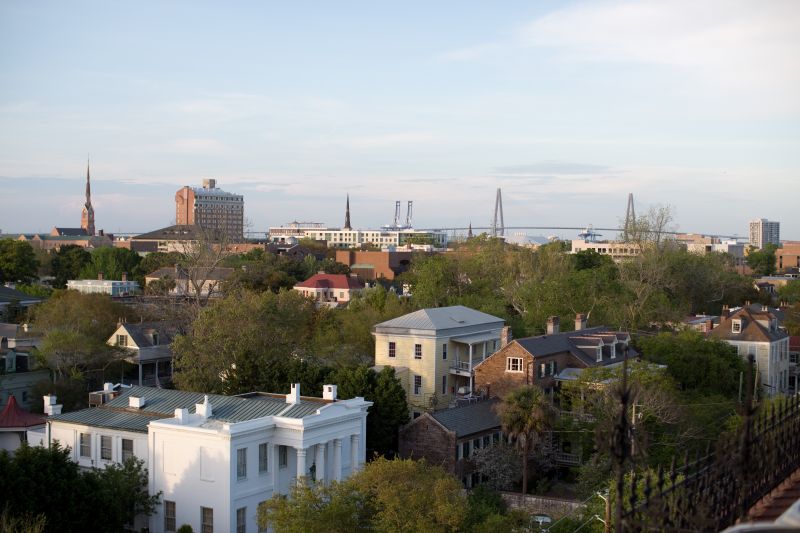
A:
{"x": 756, "y": 332}
{"x": 763, "y": 232}
{"x": 216, "y": 458}
{"x": 330, "y": 288}
{"x": 435, "y": 350}
{"x": 112, "y": 287}
{"x": 546, "y": 360}
{"x": 211, "y": 208}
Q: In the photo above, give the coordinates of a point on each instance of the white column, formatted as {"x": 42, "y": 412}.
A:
{"x": 337, "y": 459}
{"x": 355, "y": 459}
{"x": 470, "y": 368}
{"x": 301, "y": 463}
{"x": 273, "y": 466}
{"x": 320, "y": 462}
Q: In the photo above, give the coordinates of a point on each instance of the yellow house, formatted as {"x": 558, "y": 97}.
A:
{"x": 435, "y": 350}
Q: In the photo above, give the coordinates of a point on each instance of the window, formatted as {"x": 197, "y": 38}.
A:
{"x": 444, "y": 384}
{"x": 263, "y": 457}
{"x": 465, "y": 449}
{"x": 476, "y": 444}
{"x": 155, "y": 338}
{"x": 241, "y": 520}
{"x": 514, "y": 364}
{"x": 169, "y": 516}
{"x": 105, "y": 448}
{"x": 417, "y": 385}
{"x": 444, "y": 351}
{"x": 487, "y": 440}
{"x": 206, "y": 520}
{"x": 392, "y": 349}
{"x": 241, "y": 463}
{"x": 122, "y": 340}
{"x": 86, "y": 445}
{"x": 283, "y": 456}
{"x": 417, "y": 351}
{"x": 736, "y": 326}
{"x": 542, "y": 370}
{"x": 553, "y": 368}
{"x": 127, "y": 449}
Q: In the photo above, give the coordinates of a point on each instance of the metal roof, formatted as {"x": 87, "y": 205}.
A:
{"x": 438, "y": 318}
{"x": 161, "y": 403}
{"x": 469, "y": 419}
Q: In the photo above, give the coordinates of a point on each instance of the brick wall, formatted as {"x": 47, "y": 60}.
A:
{"x": 424, "y": 438}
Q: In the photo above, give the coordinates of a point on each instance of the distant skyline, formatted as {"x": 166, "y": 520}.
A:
{"x": 567, "y": 106}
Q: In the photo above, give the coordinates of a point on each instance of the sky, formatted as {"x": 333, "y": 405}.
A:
{"x": 565, "y": 106}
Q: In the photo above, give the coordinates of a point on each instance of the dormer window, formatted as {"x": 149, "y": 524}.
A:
{"x": 122, "y": 340}
{"x": 736, "y": 326}
{"x": 155, "y": 338}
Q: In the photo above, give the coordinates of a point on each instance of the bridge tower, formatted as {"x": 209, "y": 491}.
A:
{"x": 630, "y": 219}
{"x": 498, "y": 225}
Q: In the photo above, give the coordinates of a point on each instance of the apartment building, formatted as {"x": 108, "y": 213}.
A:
{"x": 763, "y": 232}
{"x": 211, "y": 208}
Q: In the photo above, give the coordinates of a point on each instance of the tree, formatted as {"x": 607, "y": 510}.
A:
{"x": 500, "y": 464}
{"x": 790, "y": 292}
{"x": 17, "y": 261}
{"x": 67, "y": 263}
{"x": 525, "y": 414}
{"x": 385, "y": 496}
{"x": 762, "y": 261}
{"x": 71, "y": 499}
{"x": 246, "y": 341}
{"x": 696, "y": 363}
{"x": 112, "y": 263}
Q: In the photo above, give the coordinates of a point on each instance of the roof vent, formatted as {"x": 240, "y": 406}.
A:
{"x": 329, "y": 392}
{"x": 136, "y": 402}
{"x": 203, "y": 409}
{"x": 294, "y": 395}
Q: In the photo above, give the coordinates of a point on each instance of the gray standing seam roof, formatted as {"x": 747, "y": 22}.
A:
{"x": 161, "y": 403}
{"x": 469, "y": 419}
{"x": 440, "y": 318}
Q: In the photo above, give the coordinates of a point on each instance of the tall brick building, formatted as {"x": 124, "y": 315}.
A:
{"x": 211, "y": 208}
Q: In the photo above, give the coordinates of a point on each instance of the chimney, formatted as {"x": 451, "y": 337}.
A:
{"x": 747, "y": 303}
{"x": 505, "y": 336}
{"x": 553, "y": 325}
{"x": 124, "y": 276}
{"x": 182, "y": 415}
{"x": 580, "y": 321}
{"x": 294, "y": 396}
{"x": 709, "y": 325}
{"x": 329, "y": 392}
{"x": 203, "y": 409}
{"x": 135, "y": 402}
{"x": 100, "y": 275}
{"x": 50, "y": 406}
{"x": 108, "y": 387}
{"x": 726, "y": 311}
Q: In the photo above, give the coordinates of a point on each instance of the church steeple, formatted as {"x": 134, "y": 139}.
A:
{"x": 347, "y": 215}
{"x": 87, "y": 215}
{"x": 469, "y": 233}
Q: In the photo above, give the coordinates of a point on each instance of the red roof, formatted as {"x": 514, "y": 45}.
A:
{"x": 331, "y": 281}
{"x": 14, "y": 416}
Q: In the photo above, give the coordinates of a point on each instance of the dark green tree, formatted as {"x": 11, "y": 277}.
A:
{"x": 17, "y": 261}
{"x": 112, "y": 262}
{"x": 762, "y": 261}
{"x": 67, "y": 263}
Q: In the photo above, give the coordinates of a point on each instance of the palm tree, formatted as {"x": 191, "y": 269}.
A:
{"x": 525, "y": 414}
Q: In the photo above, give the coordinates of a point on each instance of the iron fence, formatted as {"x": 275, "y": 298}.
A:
{"x": 712, "y": 490}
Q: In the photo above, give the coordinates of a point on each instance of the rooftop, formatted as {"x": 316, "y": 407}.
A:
{"x": 441, "y": 318}
{"x": 469, "y": 419}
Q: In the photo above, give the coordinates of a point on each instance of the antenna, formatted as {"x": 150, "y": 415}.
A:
{"x": 498, "y": 230}
{"x": 409, "y": 213}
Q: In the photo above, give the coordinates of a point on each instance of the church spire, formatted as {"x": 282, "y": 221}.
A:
{"x": 347, "y": 214}
{"x": 469, "y": 233}
{"x": 87, "y": 215}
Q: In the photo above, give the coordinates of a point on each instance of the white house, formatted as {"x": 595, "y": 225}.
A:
{"x": 215, "y": 458}
{"x": 148, "y": 344}
{"x": 756, "y": 332}
{"x": 323, "y": 287}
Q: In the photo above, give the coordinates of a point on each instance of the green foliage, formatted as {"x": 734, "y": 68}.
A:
{"x": 790, "y": 292}
{"x": 13, "y": 523}
{"x": 696, "y": 363}
{"x": 17, "y": 261}
{"x": 500, "y": 464}
{"x": 39, "y": 291}
{"x": 483, "y": 502}
{"x": 385, "y": 496}
{"x": 67, "y": 263}
{"x": 762, "y": 261}
{"x": 249, "y": 341}
{"x": 525, "y": 414}
{"x": 112, "y": 262}
{"x": 185, "y": 528}
{"x": 155, "y": 260}
{"x": 389, "y": 410}
{"x": 45, "y": 482}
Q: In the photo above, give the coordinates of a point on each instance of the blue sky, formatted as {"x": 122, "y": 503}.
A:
{"x": 568, "y": 106}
